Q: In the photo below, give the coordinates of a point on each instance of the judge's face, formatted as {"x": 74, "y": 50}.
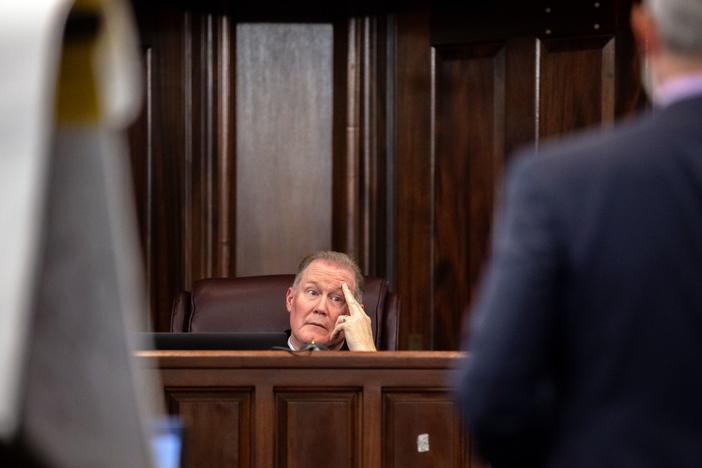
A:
{"x": 316, "y": 302}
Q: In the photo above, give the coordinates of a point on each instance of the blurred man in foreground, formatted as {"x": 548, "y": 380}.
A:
{"x": 70, "y": 392}
{"x": 586, "y": 342}
{"x": 325, "y": 306}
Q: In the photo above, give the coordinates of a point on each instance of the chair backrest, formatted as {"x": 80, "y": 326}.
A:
{"x": 257, "y": 303}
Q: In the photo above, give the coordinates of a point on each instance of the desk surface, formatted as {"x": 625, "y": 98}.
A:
{"x": 304, "y": 359}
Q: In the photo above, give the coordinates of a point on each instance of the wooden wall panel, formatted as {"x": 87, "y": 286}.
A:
{"x": 182, "y": 152}
{"x": 284, "y": 147}
{"x": 468, "y": 139}
{"x": 414, "y": 179}
{"x": 490, "y": 80}
{"x": 415, "y": 429}
{"x": 208, "y": 223}
{"x": 370, "y": 408}
{"x": 361, "y": 182}
{"x": 520, "y": 94}
{"x": 576, "y": 85}
{"x": 205, "y": 210}
{"x": 318, "y": 428}
{"x": 157, "y": 146}
{"x": 397, "y": 153}
{"x": 219, "y": 418}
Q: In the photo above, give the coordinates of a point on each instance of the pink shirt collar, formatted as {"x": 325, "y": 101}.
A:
{"x": 680, "y": 88}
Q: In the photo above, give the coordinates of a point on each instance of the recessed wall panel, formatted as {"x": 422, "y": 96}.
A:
{"x": 421, "y": 430}
{"x": 284, "y": 144}
{"x": 318, "y": 429}
{"x": 468, "y": 154}
{"x": 215, "y": 419}
{"x": 576, "y": 84}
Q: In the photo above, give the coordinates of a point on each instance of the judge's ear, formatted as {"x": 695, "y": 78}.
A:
{"x": 289, "y": 296}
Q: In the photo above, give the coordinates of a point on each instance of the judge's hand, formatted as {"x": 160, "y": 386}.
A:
{"x": 356, "y": 326}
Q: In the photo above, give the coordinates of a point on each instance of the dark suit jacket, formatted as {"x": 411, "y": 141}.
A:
{"x": 586, "y": 340}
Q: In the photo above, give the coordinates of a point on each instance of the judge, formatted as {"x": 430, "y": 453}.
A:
{"x": 325, "y": 305}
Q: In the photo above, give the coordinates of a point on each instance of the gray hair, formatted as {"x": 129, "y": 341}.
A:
{"x": 679, "y": 25}
{"x": 335, "y": 258}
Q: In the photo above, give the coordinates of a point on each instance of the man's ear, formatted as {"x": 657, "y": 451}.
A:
{"x": 289, "y": 296}
{"x": 645, "y": 31}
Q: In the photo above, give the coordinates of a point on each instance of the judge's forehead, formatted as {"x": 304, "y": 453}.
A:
{"x": 328, "y": 272}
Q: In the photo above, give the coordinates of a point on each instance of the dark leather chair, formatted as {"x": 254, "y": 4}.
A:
{"x": 257, "y": 303}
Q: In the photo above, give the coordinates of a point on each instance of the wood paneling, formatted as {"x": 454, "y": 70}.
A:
{"x": 520, "y": 87}
{"x": 361, "y": 179}
{"x": 316, "y": 409}
{"x": 475, "y": 83}
{"x": 422, "y": 430}
{"x": 381, "y": 134}
{"x": 468, "y": 138}
{"x": 182, "y": 152}
{"x": 233, "y": 158}
{"x": 157, "y": 149}
{"x": 576, "y": 85}
{"x": 209, "y": 148}
{"x": 414, "y": 173}
{"x": 284, "y": 148}
{"x": 220, "y": 418}
{"x": 318, "y": 428}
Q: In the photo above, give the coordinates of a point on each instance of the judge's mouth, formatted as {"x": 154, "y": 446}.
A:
{"x": 317, "y": 325}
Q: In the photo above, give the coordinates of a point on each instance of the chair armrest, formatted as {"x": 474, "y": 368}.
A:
{"x": 391, "y": 323}
{"x": 180, "y": 314}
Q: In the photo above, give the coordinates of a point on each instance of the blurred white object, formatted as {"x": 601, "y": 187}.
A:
{"x": 30, "y": 40}
{"x": 71, "y": 273}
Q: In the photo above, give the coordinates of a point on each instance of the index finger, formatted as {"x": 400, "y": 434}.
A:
{"x": 350, "y": 299}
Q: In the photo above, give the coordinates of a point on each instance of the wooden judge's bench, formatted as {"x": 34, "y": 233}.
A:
{"x": 269, "y": 409}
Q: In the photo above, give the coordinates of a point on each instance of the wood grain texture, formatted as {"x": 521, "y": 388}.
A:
{"x": 520, "y": 95}
{"x": 360, "y": 168}
{"x": 468, "y": 142}
{"x": 576, "y": 86}
{"x": 284, "y": 174}
{"x": 216, "y": 417}
{"x": 316, "y": 409}
{"x": 411, "y": 418}
{"x": 414, "y": 168}
{"x": 182, "y": 152}
{"x": 382, "y": 140}
{"x": 157, "y": 142}
{"x": 210, "y": 151}
{"x": 387, "y": 360}
{"x": 541, "y": 84}
{"x": 318, "y": 427}
{"x": 346, "y": 137}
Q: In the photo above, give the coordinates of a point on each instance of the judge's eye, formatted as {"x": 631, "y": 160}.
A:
{"x": 312, "y": 292}
{"x": 337, "y": 299}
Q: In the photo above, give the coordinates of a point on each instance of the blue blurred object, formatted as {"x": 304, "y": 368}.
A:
{"x": 167, "y": 442}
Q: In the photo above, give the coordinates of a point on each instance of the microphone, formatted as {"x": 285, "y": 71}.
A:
{"x": 312, "y": 346}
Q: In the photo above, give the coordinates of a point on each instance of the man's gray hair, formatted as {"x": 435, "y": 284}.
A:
{"x": 337, "y": 259}
{"x": 679, "y": 25}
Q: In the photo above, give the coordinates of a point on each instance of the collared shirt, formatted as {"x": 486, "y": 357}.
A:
{"x": 290, "y": 345}
{"x": 679, "y": 88}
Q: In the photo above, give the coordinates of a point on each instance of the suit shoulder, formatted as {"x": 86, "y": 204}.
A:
{"x": 626, "y": 146}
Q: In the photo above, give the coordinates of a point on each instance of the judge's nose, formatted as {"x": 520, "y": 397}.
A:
{"x": 321, "y": 307}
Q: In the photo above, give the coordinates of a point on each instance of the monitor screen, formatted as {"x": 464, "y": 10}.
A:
{"x": 167, "y": 442}
{"x": 214, "y": 341}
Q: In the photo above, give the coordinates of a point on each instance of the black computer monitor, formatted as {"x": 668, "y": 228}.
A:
{"x": 240, "y": 341}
